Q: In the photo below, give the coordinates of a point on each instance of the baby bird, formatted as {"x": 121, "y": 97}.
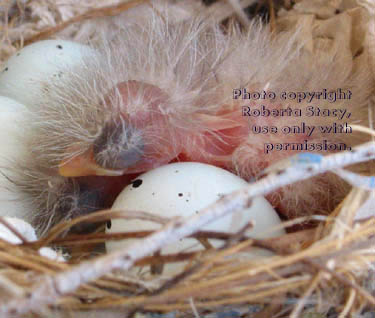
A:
{"x": 159, "y": 93}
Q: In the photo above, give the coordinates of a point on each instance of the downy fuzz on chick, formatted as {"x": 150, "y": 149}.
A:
{"x": 159, "y": 92}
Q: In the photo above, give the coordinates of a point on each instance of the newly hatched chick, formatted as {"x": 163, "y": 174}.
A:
{"x": 159, "y": 93}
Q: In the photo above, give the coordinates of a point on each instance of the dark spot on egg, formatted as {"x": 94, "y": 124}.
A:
{"x": 109, "y": 224}
{"x": 6, "y": 69}
{"x": 18, "y": 54}
{"x": 196, "y": 211}
{"x": 59, "y": 46}
{"x": 153, "y": 193}
{"x": 179, "y": 224}
{"x": 137, "y": 183}
{"x": 187, "y": 200}
{"x": 180, "y": 194}
{"x": 176, "y": 171}
{"x": 60, "y": 74}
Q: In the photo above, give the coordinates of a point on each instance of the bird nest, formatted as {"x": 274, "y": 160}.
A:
{"x": 322, "y": 267}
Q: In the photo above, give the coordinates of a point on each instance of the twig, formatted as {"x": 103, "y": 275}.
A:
{"x": 51, "y": 288}
{"x": 349, "y": 303}
{"x": 272, "y": 15}
{"x": 99, "y": 216}
{"x": 237, "y": 8}
{"x": 13, "y": 229}
{"x": 11, "y": 287}
{"x": 301, "y": 303}
{"x": 187, "y": 273}
{"x": 103, "y": 237}
{"x": 342, "y": 279}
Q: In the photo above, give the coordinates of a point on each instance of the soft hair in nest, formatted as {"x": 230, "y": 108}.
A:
{"x": 197, "y": 64}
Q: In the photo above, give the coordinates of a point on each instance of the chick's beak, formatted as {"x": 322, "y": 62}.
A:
{"x": 85, "y": 165}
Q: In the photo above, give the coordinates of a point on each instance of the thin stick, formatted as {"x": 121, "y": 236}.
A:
{"x": 241, "y": 15}
{"x": 343, "y": 280}
{"x": 301, "y": 303}
{"x": 13, "y": 229}
{"x": 272, "y": 15}
{"x": 349, "y": 303}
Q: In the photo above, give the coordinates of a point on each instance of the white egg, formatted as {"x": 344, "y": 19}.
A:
{"x": 28, "y": 233}
{"x": 182, "y": 189}
{"x": 12, "y": 149}
{"x": 24, "y": 228}
{"x": 26, "y": 73}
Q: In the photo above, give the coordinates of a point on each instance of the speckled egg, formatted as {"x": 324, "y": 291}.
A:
{"x": 24, "y": 76}
{"x": 183, "y": 189}
{"x": 12, "y": 116}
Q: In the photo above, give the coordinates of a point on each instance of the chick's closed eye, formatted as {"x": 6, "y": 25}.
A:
{"x": 119, "y": 146}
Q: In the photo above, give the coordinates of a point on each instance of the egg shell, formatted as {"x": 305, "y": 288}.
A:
{"x": 24, "y": 228}
{"x": 12, "y": 114}
{"x": 182, "y": 189}
{"x": 26, "y": 73}
{"x": 12, "y": 150}
{"x": 28, "y": 233}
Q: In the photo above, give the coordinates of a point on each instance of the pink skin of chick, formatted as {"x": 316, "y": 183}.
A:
{"x": 160, "y": 142}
